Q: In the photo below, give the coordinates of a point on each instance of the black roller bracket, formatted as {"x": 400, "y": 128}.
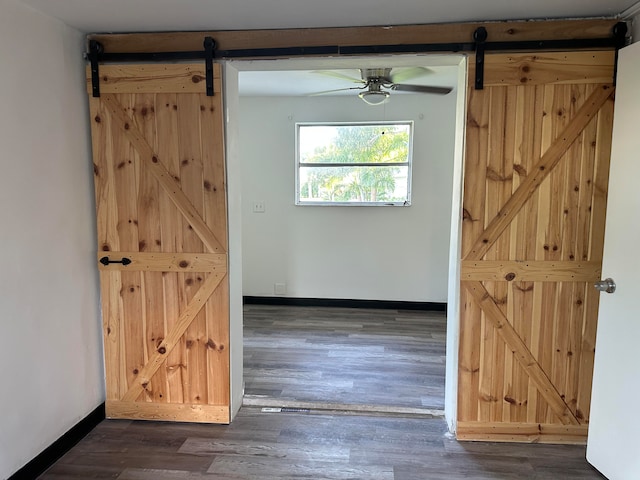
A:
{"x": 480, "y": 37}
{"x": 620, "y": 38}
{"x": 209, "y": 45}
{"x": 619, "y": 31}
{"x": 106, "y": 261}
{"x": 95, "y": 52}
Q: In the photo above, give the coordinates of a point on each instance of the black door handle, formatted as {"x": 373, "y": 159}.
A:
{"x": 105, "y": 261}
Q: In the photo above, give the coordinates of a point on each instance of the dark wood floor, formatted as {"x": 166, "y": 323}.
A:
{"x": 343, "y": 356}
{"x": 269, "y": 446}
{"x": 339, "y": 356}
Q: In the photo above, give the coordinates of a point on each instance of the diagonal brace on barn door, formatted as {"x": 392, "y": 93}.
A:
{"x": 540, "y": 171}
{"x": 162, "y": 175}
{"x": 173, "y": 336}
{"x": 521, "y": 352}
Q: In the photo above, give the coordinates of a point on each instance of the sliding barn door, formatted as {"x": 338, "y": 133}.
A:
{"x": 536, "y": 172}
{"x": 162, "y": 242}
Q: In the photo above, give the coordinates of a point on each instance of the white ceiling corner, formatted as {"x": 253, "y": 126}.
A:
{"x": 630, "y": 12}
{"x": 183, "y": 15}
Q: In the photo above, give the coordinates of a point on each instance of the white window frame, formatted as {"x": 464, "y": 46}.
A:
{"x": 408, "y": 164}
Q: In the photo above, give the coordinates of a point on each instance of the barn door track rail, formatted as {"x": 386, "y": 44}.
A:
{"x": 478, "y": 45}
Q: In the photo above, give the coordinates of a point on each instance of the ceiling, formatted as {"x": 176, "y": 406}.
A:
{"x": 310, "y": 82}
{"x": 183, "y": 15}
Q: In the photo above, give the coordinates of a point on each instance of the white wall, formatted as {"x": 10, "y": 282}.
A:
{"x": 50, "y": 345}
{"x": 378, "y": 253}
{"x": 453, "y": 302}
{"x": 234, "y": 212}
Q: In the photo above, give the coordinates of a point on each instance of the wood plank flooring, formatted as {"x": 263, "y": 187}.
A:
{"x": 344, "y": 356}
{"x": 269, "y": 446}
{"x": 339, "y": 356}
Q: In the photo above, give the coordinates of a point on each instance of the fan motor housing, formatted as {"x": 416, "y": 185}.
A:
{"x": 383, "y": 75}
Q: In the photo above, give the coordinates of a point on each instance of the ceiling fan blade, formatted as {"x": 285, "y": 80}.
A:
{"x": 421, "y": 89}
{"x": 326, "y": 92}
{"x": 342, "y": 76}
{"x": 408, "y": 73}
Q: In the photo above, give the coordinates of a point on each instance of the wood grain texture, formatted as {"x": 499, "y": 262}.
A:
{"x": 347, "y": 357}
{"x": 168, "y": 412}
{"x": 542, "y": 169}
{"x": 522, "y": 432}
{"x": 165, "y": 315}
{"x": 150, "y": 78}
{"x": 378, "y": 35}
{"x": 262, "y": 446}
{"x": 531, "y": 271}
{"x": 170, "y": 185}
{"x": 149, "y": 228}
{"x": 158, "y": 357}
{"x": 505, "y": 330}
{"x": 531, "y": 249}
{"x": 112, "y": 340}
{"x": 546, "y": 68}
{"x": 191, "y": 181}
{"x": 475, "y": 184}
{"x": 168, "y": 262}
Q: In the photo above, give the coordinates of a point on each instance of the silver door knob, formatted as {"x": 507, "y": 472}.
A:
{"x": 607, "y": 285}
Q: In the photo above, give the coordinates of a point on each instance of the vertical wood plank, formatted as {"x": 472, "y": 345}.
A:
{"x": 582, "y": 366}
{"x": 123, "y": 164}
{"x": 215, "y": 201}
{"x": 107, "y": 221}
{"x": 547, "y": 299}
{"x": 191, "y": 181}
{"x": 531, "y": 238}
{"x": 171, "y": 241}
{"x": 522, "y": 247}
{"x": 562, "y": 192}
{"x": 106, "y": 211}
{"x": 218, "y": 348}
{"x": 149, "y": 232}
{"x": 592, "y": 297}
{"x": 573, "y": 199}
{"x": 533, "y": 230}
{"x": 510, "y": 370}
{"x": 215, "y": 211}
{"x": 587, "y": 186}
{"x": 485, "y": 374}
{"x": 111, "y": 333}
{"x": 499, "y": 187}
{"x": 472, "y": 225}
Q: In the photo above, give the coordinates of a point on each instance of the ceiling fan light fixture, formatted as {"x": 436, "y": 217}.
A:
{"x": 374, "y": 97}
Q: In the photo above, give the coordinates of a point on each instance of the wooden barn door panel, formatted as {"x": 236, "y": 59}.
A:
{"x": 536, "y": 173}
{"x": 161, "y": 204}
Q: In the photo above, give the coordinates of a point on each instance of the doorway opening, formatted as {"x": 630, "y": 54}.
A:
{"x": 320, "y": 353}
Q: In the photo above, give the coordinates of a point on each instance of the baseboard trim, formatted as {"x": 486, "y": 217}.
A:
{"x": 345, "y": 303}
{"x": 57, "y": 449}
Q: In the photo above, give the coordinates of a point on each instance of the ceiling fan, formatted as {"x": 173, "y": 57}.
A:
{"x": 376, "y": 83}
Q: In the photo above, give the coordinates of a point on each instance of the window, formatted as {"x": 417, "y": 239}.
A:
{"x": 353, "y": 163}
